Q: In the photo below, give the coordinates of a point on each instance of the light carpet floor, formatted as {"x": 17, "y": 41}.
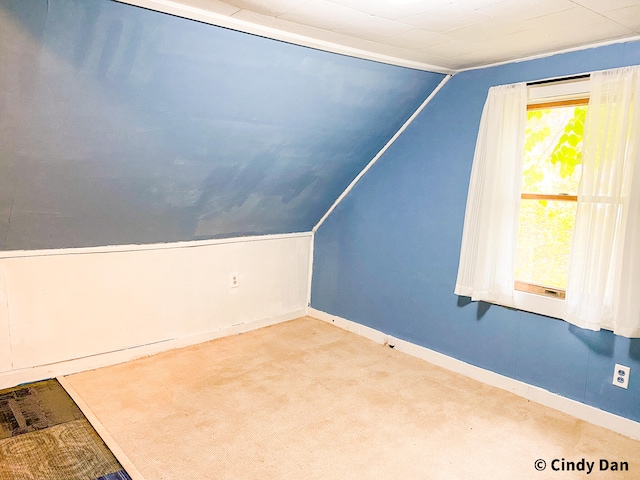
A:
{"x": 306, "y": 400}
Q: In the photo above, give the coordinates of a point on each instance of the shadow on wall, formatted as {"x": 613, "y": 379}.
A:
{"x": 482, "y": 307}
{"x": 601, "y": 342}
{"x": 634, "y": 349}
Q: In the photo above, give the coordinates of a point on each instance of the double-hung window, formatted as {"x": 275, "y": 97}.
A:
{"x": 552, "y": 165}
{"x": 552, "y": 223}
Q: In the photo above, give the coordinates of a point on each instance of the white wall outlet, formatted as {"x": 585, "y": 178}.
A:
{"x": 621, "y": 376}
{"x": 234, "y": 280}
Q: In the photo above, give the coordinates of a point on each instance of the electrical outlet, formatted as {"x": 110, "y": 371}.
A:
{"x": 234, "y": 280}
{"x": 621, "y": 376}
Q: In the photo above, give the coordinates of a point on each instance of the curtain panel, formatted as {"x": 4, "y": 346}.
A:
{"x": 603, "y": 287}
{"x": 491, "y": 218}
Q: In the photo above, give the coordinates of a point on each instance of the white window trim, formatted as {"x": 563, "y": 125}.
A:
{"x": 556, "y": 91}
{"x": 540, "y": 304}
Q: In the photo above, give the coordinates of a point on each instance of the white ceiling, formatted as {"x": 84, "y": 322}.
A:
{"x": 440, "y": 35}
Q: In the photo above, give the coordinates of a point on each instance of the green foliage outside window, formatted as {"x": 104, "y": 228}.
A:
{"x": 552, "y": 165}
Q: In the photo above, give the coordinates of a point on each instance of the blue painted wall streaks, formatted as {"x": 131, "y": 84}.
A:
{"x": 121, "y": 125}
{"x": 387, "y": 257}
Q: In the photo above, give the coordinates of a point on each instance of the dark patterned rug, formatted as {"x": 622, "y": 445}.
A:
{"x": 45, "y": 436}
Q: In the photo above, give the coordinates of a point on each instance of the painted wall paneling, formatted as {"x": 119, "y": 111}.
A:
{"x": 5, "y": 343}
{"x": 73, "y": 305}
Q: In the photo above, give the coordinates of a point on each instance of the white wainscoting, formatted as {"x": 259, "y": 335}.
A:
{"x": 70, "y": 310}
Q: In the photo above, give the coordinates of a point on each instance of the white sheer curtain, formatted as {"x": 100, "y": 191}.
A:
{"x": 490, "y": 230}
{"x": 603, "y": 288}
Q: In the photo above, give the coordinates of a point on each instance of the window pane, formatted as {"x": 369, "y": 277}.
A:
{"x": 544, "y": 242}
{"x": 553, "y": 150}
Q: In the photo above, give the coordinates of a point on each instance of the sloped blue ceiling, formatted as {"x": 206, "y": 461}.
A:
{"x": 120, "y": 125}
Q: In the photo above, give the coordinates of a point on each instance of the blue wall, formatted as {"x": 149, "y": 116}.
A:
{"x": 121, "y": 125}
{"x": 387, "y": 257}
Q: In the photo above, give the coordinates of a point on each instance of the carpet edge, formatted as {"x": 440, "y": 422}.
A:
{"x": 102, "y": 432}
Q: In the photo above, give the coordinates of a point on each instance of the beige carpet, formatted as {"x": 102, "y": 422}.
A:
{"x": 306, "y": 400}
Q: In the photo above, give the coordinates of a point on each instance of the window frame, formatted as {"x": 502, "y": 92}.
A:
{"x": 537, "y": 298}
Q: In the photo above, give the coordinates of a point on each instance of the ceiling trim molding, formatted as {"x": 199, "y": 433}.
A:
{"x": 555, "y": 52}
{"x": 193, "y": 13}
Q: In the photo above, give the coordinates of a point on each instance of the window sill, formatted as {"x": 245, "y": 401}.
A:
{"x": 540, "y": 304}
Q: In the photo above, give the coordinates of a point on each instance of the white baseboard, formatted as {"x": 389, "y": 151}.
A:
{"x": 539, "y": 395}
{"x": 59, "y": 369}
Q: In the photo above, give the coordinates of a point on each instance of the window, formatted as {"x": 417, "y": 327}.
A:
{"x": 548, "y": 202}
{"x": 552, "y": 220}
